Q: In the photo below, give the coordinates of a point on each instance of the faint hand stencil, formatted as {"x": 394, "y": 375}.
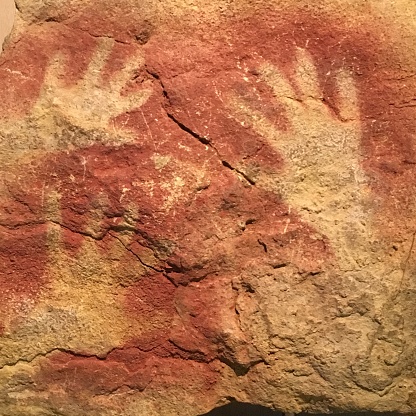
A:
{"x": 322, "y": 178}
{"x": 84, "y": 298}
{"x": 90, "y": 99}
{"x": 70, "y": 116}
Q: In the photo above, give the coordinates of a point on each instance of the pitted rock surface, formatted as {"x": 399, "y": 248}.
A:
{"x": 208, "y": 201}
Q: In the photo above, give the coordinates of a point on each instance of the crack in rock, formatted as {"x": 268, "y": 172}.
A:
{"x": 194, "y": 134}
{"x": 63, "y": 350}
{"x": 134, "y": 254}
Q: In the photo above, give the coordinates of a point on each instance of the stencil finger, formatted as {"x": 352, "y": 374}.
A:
{"x": 52, "y": 214}
{"x": 348, "y": 103}
{"x": 254, "y": 119}
{"x": 306, "y": 74}
{"x": 55, "y": 71}
{"x": 98, "y": 61}
{"x": 136, "y": 100}
{"x": 282, "y": 89}
{"x": 131, "y": 66}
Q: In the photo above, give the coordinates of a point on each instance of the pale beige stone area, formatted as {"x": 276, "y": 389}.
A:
{"x": 7, "y": 12}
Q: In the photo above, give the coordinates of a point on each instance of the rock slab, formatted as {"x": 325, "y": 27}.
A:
{"x": 207, "y": 201}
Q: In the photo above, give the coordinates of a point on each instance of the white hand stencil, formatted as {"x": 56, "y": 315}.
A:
{"x": 323, "y": 179}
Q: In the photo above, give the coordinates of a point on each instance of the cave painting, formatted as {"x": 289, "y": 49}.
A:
{"x": 72, "y": 110}
{"x": 91, "y": 103}
{"x": 92, "y": 98}
{"x": 179, "y": 219}
{"x": 329, "y": 190}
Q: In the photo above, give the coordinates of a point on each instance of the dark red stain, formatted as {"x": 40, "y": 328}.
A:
{"x": 121, "y": 370}
{"x": 114, "y": 21}
{"x": 153, "y": 293}
{"x": 23, "y": 241}
{"x": 214, "y": 233}
{"x": 22, "y": 266}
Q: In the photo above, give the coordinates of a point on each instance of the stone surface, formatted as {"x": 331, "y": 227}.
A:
{"x": 6, "y": 18}
{"x": 205, "y": 201}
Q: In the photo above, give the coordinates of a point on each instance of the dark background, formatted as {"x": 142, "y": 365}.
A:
{"x": 246, "y": 409}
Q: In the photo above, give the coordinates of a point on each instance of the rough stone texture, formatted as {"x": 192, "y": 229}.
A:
{"x": 208, "y": 200}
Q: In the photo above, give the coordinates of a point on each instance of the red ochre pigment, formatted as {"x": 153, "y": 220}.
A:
{"x": 215, "y": 229}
